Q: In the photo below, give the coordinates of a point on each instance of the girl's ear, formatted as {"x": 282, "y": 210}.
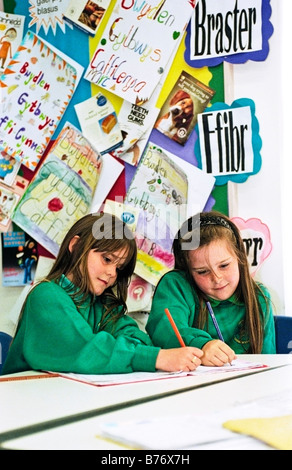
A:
{"x": 72, "y": 242}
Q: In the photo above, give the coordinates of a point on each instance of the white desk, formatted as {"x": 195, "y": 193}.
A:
{"x": 39, "y": 402}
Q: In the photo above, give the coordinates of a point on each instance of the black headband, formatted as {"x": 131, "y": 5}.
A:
{"x": 214, "y": 220}
{"x": 203, "y": 220}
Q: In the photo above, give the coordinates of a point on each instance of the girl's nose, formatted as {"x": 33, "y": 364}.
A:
{"x": 217, "y": 277}
{"x": 111, "y": 270}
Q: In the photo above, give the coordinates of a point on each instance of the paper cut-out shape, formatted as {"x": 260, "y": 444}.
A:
{"x": 257, "y": 240}
{"x": 229, "y": 143}
{"x": 47, "y": 16}
{"x": 230, "y": 30}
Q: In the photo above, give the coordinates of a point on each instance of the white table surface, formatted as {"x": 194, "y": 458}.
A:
{"x": 33, "y": 402}
{"x": 27, "y": 402}
{"x": 202, "y": 401}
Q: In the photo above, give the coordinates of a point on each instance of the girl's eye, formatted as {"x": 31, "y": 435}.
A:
{"x": 202, "y": 273}
{"x": 106, "y": 259}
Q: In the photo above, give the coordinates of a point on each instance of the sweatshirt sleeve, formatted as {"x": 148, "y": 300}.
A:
{"x": 58, "y": 338}
{"x": 174, "y": 292}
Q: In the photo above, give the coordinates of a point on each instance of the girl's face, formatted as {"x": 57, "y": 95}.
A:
{"x": 102, "y": 269}
{"x": 215, "y": 269}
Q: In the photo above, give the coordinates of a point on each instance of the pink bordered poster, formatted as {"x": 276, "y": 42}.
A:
{"x": 257, "y": 241}
{"x": 136, "y": 45}
{"x": 36, "y": 88}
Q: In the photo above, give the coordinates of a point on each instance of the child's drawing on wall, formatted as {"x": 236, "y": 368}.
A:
{"x": 5, "y": 45}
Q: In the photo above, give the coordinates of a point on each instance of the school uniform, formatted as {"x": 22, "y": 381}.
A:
{"x": 175, "y": 292}
{"x": 54, "y": 335}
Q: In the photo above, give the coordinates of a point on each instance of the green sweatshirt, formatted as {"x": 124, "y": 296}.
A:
{"x": 175, "y": 292}
{"x": 53, "y": 335}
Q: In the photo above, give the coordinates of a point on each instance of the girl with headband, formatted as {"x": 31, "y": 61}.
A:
{"x": 211, "y": 276}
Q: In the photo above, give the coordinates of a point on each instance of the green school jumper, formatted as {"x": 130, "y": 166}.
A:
{"x": 55, "y": 336}
{"x": 175, "y": 292}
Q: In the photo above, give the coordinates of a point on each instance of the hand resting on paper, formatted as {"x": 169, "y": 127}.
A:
{"x": 185, "y": 359}
{"x": 217, "y": 353}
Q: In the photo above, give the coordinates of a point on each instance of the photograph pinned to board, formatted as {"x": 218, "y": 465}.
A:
{"x": 178, "y": 115}
{"x": 61, "y": 191}
{"x": 86, "y": 15}
{"x": 36, "y": 88}
{"x": 19, "y": 258}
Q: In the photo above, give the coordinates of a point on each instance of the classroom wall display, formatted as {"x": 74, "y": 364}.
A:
{"x": 99, "y": 123}
{"x": 36, "y": 88}
{"x": 86, "y": 14}
{"x": 178, "y": 115}
{"x": 19, "y": 258}
{"x": 61, "y": 191}
{"x": 136, "y": 46}
{"x": 46, "y": 15}
{"x": 230, "y": 30}
{"x": 257, "y": 240}
{"x": 9, "y": 197}
{"x": 159, "y": 190}
{"x": 229, "y": 142}
{"x": 11, "y": 33}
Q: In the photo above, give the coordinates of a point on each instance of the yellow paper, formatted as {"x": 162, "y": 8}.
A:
{"x": 277, "y": 432}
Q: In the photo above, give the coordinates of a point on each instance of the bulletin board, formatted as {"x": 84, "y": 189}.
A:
{"x": 57, "y": 28}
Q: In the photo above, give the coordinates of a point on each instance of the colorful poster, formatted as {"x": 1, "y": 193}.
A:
{"x": 36, "y": 88}
{"x": 11, "y": 33}
{"x": 159, "y": 190}
{"x": 136, "y": 46}
{"x": 19, "y": 259}
{"x": 61, "y": 191}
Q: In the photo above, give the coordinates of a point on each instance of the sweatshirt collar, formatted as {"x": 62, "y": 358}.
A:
{"x": 233, "y": 300}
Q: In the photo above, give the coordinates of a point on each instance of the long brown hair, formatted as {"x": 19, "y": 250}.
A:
{"x": 201, "y": 230}
{"x": 104, "y": 233}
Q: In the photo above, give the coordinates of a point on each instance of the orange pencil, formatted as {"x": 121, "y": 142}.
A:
{"x": 178, "y": 335}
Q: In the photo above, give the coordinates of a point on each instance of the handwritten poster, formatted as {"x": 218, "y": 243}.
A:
{"x": 36, "y": 88}
{"x": 61, "y": 191}
{"x": 159, "y": 190}
{"x": 136, "y": 46}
